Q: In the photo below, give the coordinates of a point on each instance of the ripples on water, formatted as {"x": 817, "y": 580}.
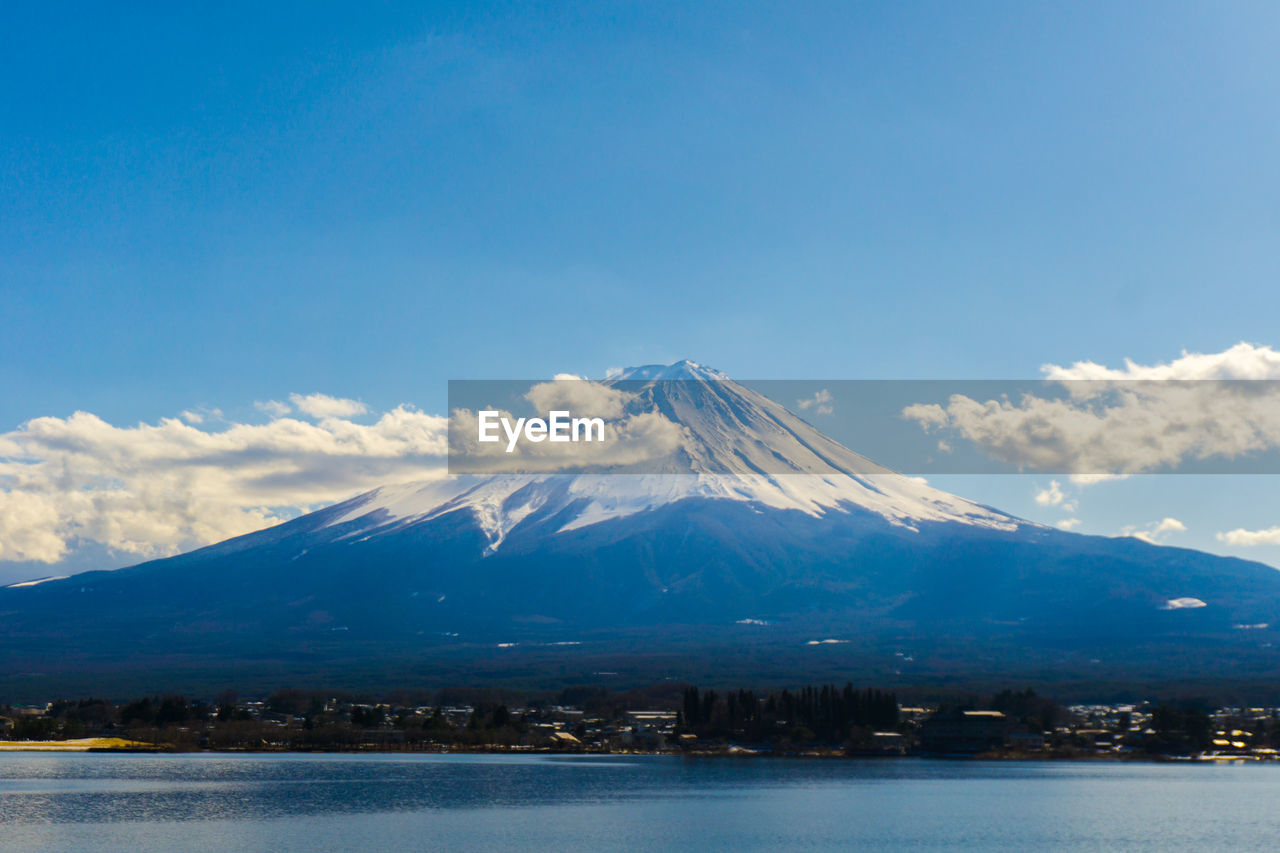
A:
{"x": 341, "y": 802}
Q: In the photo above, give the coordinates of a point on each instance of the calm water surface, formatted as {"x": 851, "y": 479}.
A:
{"x": 106, "y": 802}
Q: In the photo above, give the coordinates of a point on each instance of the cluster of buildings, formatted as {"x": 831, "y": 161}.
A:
{"x": 573, "y": 729}
{"x": 558, "y": 728}
{"x": 1115, "y": 731}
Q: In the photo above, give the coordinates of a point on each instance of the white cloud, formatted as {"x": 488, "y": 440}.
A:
{"x": 1250, "y": 538}
{"x": 28, "y": 527}
{"x": 274, "y": 408}
{"x": 1068, "y": 524}
{"x": 156, "y": 489}
{"x": 192, "y": 417}
{"x": 322, "y": 406}
{"x": 1051, "y": 496}
{"x": 1121, "y": 422}
{"x": 820, "y": 402}
{"x": 579, "y": 396}
{"x": 1242, "y": 361}
{"x": 1054, "y": 496}
{"x": 1092, "y": 479}
{"x": 1154, "y": 533}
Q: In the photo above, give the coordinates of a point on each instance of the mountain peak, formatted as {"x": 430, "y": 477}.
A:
{"x": 682, "y": 370}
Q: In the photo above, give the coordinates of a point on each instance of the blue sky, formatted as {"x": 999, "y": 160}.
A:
{"x": 220, "y": 204}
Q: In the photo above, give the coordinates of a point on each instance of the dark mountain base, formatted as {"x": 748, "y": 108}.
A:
{"x": 707, "y": 592}
{"x": 728, "y": 657}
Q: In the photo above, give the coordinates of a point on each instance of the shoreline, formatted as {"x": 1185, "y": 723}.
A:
{"x": 84, "y": 744}
{"x": 123, "y": 746}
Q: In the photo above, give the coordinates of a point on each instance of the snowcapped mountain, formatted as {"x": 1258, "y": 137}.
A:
{"x": 759, "y": 548}
{"x": 739, "y": 446}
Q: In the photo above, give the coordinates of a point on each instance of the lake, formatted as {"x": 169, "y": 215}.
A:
{"x": 210, "y": 802}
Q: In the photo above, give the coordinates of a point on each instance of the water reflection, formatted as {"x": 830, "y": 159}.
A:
{"x": 317, "y": 802}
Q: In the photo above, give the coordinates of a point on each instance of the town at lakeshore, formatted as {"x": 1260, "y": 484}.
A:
{"x": 825, "y": 721}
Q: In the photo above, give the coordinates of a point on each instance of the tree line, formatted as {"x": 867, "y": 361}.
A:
{"x": 827, "y": 713}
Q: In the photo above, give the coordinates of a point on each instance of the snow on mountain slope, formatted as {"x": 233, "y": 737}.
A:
{"x": 740, "y": 446}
